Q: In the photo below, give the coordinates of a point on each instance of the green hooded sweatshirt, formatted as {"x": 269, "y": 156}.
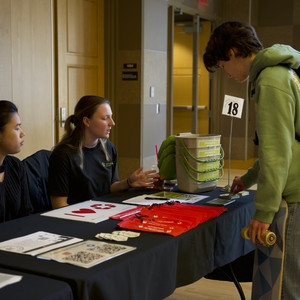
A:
{"x": 276, "y": 89}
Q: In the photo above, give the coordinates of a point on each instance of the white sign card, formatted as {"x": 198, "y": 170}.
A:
{"x": 88, "y": 211}
{"x": 233, "y": 106}
{"x": 38, "y": 242}
{"x": 6, "y": 279}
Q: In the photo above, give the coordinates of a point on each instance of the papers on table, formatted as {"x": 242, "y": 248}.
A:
{"x": 6, "y": 279}
{"x": 87, "y": 254}
{"x": 63, "y": 249}
{"x": 219, "y": 201}
{"x": 37, "y": 243}
{"x": 163, "y": 197}
{"x": 88, "y": 211}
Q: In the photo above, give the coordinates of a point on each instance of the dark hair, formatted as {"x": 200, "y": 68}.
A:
{"x": 74, "y": 126}
{"x": 229, "y": 35}
{"x": 7, "y": 109}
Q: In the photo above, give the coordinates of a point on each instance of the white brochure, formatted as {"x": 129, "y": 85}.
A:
{"x": 88, "y": 211}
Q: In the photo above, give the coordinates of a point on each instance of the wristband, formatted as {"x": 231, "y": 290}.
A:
{"x": 128, "y": 183}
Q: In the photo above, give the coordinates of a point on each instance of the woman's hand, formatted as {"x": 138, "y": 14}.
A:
{"x": 237, "y": 185}
{"x": 140, "y": 178}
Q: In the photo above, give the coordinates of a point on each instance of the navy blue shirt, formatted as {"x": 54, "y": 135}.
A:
{"x": 68, "y": 179}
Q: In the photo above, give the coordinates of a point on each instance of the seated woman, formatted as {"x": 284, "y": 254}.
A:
{"x": 83, "y": 165}
{"x": 14, "y": 196}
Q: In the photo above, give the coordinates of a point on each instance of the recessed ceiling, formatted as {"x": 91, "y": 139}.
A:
{"x": 183, "y": 18}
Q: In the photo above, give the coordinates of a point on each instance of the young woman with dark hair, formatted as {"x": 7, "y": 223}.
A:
{"x": 14, "y": 196}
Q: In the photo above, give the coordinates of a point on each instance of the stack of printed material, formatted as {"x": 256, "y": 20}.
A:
{"x": 172, "y": 218}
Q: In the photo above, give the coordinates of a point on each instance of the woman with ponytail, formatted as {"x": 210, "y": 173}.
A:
{"x": 83, "y": 165}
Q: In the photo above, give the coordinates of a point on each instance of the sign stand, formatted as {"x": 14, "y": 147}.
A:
{"x": 227, "y": 187}
{"x": 232, "y": 107}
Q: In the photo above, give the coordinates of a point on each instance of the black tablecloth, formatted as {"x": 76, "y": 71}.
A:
{"x": 34, "y": 287}
{"x": 152, "y": 271}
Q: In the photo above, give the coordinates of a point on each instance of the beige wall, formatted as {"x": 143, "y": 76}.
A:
{"x": 155, "y": 32}
{"x": 281, "y": 24}
{"x": 40, "y": 74}
{"x": 26, "y": 62}
{"x": 139, "y": 40}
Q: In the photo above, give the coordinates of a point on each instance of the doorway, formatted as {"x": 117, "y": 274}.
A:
{"x": 190, "y": 103}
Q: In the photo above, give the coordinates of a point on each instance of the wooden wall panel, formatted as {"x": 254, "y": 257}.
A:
{"x": 26, "y": 68}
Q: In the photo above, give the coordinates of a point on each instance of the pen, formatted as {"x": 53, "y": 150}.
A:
{"x": 156, "y": 198}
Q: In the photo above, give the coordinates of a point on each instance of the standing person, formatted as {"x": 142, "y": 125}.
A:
{"x": 275, "y": 89}
{"x": 14, "y": 195}
{"x": 84, "y": 164}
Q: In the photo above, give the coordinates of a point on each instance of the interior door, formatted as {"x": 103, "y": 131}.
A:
{"x": 183, "y": 77}
{"x": 80, "y": 54}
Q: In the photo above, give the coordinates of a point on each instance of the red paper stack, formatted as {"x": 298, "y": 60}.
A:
{"x": 172, "y": 218}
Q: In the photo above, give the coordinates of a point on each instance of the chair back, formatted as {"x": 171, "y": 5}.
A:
{"x": 36, "y": 166}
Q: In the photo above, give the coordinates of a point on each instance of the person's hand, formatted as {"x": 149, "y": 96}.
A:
{"x": 140, "y": 178}
{"x": 256, "y": 230}
{"x": 237, "y": 185}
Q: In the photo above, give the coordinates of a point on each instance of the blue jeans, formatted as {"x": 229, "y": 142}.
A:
{"x": 291, "y": 269}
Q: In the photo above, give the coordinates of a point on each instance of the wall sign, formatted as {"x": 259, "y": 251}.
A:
{"x": 130, "y": 75}
{"x": 129, "y": 66}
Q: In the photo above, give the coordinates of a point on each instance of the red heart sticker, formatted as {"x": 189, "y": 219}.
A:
{"x": 84, "y": 211}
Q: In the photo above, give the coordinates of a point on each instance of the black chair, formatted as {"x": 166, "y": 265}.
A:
{"x": 240, "y": 270}
{"x": 36, "y": 166}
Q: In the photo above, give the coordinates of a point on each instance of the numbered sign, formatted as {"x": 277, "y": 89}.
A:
{"x": 233, "y": 106}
